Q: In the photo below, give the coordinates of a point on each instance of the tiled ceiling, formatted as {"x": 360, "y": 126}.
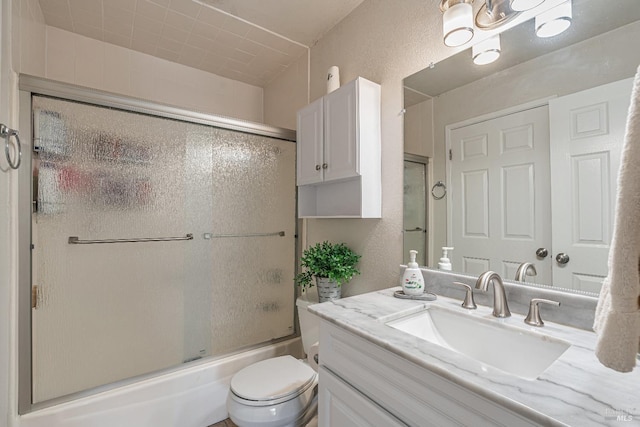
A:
{"x": 247, "y": 40}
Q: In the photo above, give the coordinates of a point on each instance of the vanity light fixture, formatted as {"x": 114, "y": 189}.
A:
{"x": 457, "y": 21}
{"x": 554, "y": 21}
{"x": 522, "y": 5}
{"x": 486, "y": 51}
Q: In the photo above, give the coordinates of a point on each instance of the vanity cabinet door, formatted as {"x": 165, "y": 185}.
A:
{"x": 342, "y": 405}
{"x": 310, "y": 143}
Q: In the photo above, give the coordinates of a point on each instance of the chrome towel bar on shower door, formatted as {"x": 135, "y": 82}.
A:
{"x": 74, "y": 240}
{"x": 208, "y": 236}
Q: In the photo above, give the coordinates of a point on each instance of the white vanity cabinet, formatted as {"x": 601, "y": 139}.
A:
{"x": 356, "y": 374}
{"x": 338, "y": 154}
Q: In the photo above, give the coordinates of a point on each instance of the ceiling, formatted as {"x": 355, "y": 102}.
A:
{"x": 246, "y": 40}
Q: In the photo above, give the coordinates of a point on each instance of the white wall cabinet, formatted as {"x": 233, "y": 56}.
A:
{"x": 338, "y": 167}
{"x": 360, "y": 372}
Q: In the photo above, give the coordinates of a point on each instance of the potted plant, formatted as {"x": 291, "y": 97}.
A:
{"x": 332, "y": 265}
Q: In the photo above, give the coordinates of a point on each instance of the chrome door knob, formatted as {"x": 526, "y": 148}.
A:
{"x": 562, "y": 258}
{"x": 542, "y": 252}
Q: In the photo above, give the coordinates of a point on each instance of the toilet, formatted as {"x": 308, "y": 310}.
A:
{"x": 280, "y": 391}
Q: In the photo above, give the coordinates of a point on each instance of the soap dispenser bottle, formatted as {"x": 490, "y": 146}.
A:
{"x": 412, "y": 280}
{"x": 445, "y": 262}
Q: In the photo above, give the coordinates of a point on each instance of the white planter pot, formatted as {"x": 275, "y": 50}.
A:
{"x": 327, "y": 289}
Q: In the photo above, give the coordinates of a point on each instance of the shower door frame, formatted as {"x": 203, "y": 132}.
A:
{"x": 31, "y": 85}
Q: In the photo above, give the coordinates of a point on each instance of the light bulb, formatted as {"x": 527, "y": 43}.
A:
{"x": 486, "y": 51}
{"x": 457, "y": 25}
{"x": 554, "y": 21}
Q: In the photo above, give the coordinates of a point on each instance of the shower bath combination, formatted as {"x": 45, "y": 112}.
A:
{"x": 156, "y": 242}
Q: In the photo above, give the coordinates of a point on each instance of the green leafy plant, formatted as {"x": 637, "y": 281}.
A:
{"x": 332, "y": 260}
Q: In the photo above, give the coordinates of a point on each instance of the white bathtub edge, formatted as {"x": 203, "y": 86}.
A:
{"x": 191, "y": 397}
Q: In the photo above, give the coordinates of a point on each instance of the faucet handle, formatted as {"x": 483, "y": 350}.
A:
{"x": 468, "y": 302}
{"x": 533, "y": 317}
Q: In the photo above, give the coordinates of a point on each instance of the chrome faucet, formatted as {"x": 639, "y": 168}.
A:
{"x": 500, "y": 306}
{"x": 525, "y": 269}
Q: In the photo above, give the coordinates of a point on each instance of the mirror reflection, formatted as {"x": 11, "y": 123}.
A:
{"x": 528, "y": 148}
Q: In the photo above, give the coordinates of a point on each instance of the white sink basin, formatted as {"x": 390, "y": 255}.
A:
{"x": 511, "y": 349}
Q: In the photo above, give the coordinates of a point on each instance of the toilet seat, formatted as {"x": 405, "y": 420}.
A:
{"x": 272, "y": 381}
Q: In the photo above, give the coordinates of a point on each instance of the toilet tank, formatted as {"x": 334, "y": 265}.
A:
{"x": 309, "y": 322}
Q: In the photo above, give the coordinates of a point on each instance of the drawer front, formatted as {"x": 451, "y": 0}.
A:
{"x": 411, "y": 393}
{"x": 341, "y": 405}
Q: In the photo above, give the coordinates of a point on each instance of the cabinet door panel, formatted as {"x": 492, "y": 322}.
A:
{"x": 341, "y": 133}
{"x": 343, "y": 405}
{"x": 310, "y": 143}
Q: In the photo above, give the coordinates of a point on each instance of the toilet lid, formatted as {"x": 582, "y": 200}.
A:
{"x": 272, "y": 379}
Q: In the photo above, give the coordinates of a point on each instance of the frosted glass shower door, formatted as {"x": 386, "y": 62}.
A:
{"x": 214, "y": 281}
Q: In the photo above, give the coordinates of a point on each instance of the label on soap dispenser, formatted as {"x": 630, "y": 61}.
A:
{"x": 413, "y": 283}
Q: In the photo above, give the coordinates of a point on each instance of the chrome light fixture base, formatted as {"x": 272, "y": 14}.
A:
{"x": 494, "y": 13}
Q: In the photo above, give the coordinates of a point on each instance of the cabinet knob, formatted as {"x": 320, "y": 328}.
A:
{"x": 317, "y": 167}
{"x": 324, "y": 166}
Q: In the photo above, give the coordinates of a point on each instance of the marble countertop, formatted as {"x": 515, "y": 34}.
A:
{"x": 575, "y": 390}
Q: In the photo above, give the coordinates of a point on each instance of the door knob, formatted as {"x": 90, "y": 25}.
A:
{"x": 317, "y": 167}
{"x": 324, "y": 166}
{"x": 562, "y": 258}
{"x": 542, "y": 252}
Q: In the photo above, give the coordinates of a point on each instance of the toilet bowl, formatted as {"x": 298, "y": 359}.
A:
{"x": 281, "y": 391}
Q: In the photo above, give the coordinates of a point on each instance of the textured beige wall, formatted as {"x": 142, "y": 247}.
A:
{"x": 7, "y": 199}
{"x": 383, "y": 41}
{"x": 287, "y": 94}
{"x": 16, "y": 18}
{"x": 418, "y": 129}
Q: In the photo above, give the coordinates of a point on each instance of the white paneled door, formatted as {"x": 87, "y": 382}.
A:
{"x": 587, "y": 130}
{"x": 499, "y": 198}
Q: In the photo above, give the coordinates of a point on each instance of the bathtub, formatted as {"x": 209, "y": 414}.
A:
{"x": 191, "y": 397}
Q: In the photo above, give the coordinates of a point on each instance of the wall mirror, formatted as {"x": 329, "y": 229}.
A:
{"x": 527, "y": 148}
